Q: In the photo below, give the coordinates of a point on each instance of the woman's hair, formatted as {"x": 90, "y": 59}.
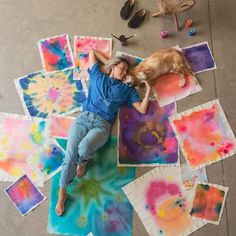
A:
{"x": 113, "y": 61}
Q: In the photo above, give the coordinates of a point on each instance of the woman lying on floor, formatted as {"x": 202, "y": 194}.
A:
{"x": 91, "y": 129}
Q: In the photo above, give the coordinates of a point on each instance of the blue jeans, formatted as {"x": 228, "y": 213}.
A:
{"x": 88, "y": 133}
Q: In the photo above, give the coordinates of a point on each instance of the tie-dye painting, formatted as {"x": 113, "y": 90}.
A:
{"x": 204, "y": 134}
{"x": 54, "y": 93}
{"x": 20, "y": 136}
{"x": 56, "y": 53}
{"x": 191, "y": 177}
{"x": 161, "y": 203}
{"x": 59, "y": 126}
{"x": 147, "y": 140}
{"x": 47, "y": 160}
{"x": 208, "y": 202}
{"x": 24, "y": 195}
{"x": 199, "y": 57}
{"x": 82, "y": 46}
{"x": 167, "y": 89}
{"x": 132, "y": 60}
{"x": 95, "y": 202}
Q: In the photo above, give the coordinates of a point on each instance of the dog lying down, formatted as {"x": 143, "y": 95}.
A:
{"x": 160, "y": 62}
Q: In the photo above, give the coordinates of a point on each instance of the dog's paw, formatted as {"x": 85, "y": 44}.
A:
{"x": 182, "y": 81}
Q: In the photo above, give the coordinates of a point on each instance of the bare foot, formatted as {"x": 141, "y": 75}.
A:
{"x": 60, "y": 207}
{"x": 81, "y": 169}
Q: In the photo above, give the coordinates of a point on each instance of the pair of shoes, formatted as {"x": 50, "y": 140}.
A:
{"x": 137, "y": 18}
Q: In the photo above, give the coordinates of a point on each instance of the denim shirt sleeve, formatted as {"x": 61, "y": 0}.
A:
{"x": 132, "y": 97}
{"x": 95, "y": 71}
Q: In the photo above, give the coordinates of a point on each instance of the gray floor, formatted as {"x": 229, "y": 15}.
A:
{"x": 24, "y": 22}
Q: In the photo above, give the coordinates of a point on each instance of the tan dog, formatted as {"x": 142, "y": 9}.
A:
{"x": 161, "y": 62}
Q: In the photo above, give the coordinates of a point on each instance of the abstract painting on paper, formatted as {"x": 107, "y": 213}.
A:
{"x": 20, "y": 136}
{"x": 56, "y": 53}
{"x": 96, "y": 201}
{"x": 54, "y": 93}
{"x": 199, "y": 57}
{"x": 132, "y": 60}
{"x": 47, "y": 160}
{"x": 82, "y": 46}
{"x": 147, "y": 140}
{"x": 204, "y": 134}
{"x": 161, "y": 203}
{"x": 167, "y": 89}
{"x": 59, "y": 126}
{"x": 191, "y": 177}
{"x": 24, "y": 195}
{"x": 208, "y": 203}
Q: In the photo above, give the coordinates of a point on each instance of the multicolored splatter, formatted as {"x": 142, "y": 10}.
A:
{"x": 55, "y": 93}
{"x": 191, "y": 177}
{"x": 47, "y": 160}
{"x": 208, "y": 202}
{"x": 24, "y": 195}
{"x": 167, "y": 89}
{"x": 20, "y": 136}
{"x": 82, "y": 46}
{"x": 199, "y": 57}
{"x": 204, "y": 134}
{"x": 59, "y": 126}
{"x": 161, "y": 202}
{"x": 56, "y": 53}
{"x": 95, "y": 202}
{"x": 147, "y": 139}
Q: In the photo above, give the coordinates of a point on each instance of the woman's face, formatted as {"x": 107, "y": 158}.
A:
{"x": 120, "y": 70}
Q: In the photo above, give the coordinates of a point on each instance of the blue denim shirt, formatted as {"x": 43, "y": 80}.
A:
{"x": 106, "y": 95}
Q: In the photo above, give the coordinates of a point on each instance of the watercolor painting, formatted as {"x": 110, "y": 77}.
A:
{"x": 47, "y": 160}
{"x": 82, "y": 46}
{"x": 209, "y": 202}
{"x": 59, "y": 126}
{"x": 24, "y": 195}
{"x": 132, "y": 60}
{"x": 20, "y": 136}
{"x": 167, "y": 89}
{"x": 56, "y": 53}
{"x": 95, "y": 202}
{"x": 204, "y": 134}
{"x": 161, "y": 203}
{"x": 147, "y": 140}
{"x": 191, "y": 177}
{"x": 54, "y": 93}
{"x": 199, "y": 57}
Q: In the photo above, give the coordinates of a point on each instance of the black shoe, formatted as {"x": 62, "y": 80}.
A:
{"x": 127, "y": 9}
{"x": 137, "y": 18}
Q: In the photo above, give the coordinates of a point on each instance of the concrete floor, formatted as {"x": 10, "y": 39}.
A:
{"x": 24, "y": 22}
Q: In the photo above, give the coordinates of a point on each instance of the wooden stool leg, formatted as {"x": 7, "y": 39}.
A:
{"x": 176, "y": 21}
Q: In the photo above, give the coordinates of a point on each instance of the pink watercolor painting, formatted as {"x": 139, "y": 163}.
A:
{"x": 208, "y": 202}
{"x": 82, "y": 46}
{"x": 167, "y": 89}
{"x": 204, "y": 134}
{"x": 161, "y": 202}
{"x": 56, "y": 53}
{"x": 20, "y": 136}
{"x": 24, "y": 195}
{"x": 59, "y": 126}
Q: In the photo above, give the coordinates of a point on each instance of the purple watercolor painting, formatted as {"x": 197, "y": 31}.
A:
{"x": 148, "y": 139}
{"x": 199, "y": 57}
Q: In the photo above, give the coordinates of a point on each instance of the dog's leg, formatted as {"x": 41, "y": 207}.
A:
{"x": 182, "y": 81}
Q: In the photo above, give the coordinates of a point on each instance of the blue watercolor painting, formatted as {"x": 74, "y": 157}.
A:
{"x": 96, "y": 202}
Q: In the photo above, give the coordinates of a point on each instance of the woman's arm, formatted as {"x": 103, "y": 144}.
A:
{"x": 95, "y": 56}
{"x": 143, "y": 105}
